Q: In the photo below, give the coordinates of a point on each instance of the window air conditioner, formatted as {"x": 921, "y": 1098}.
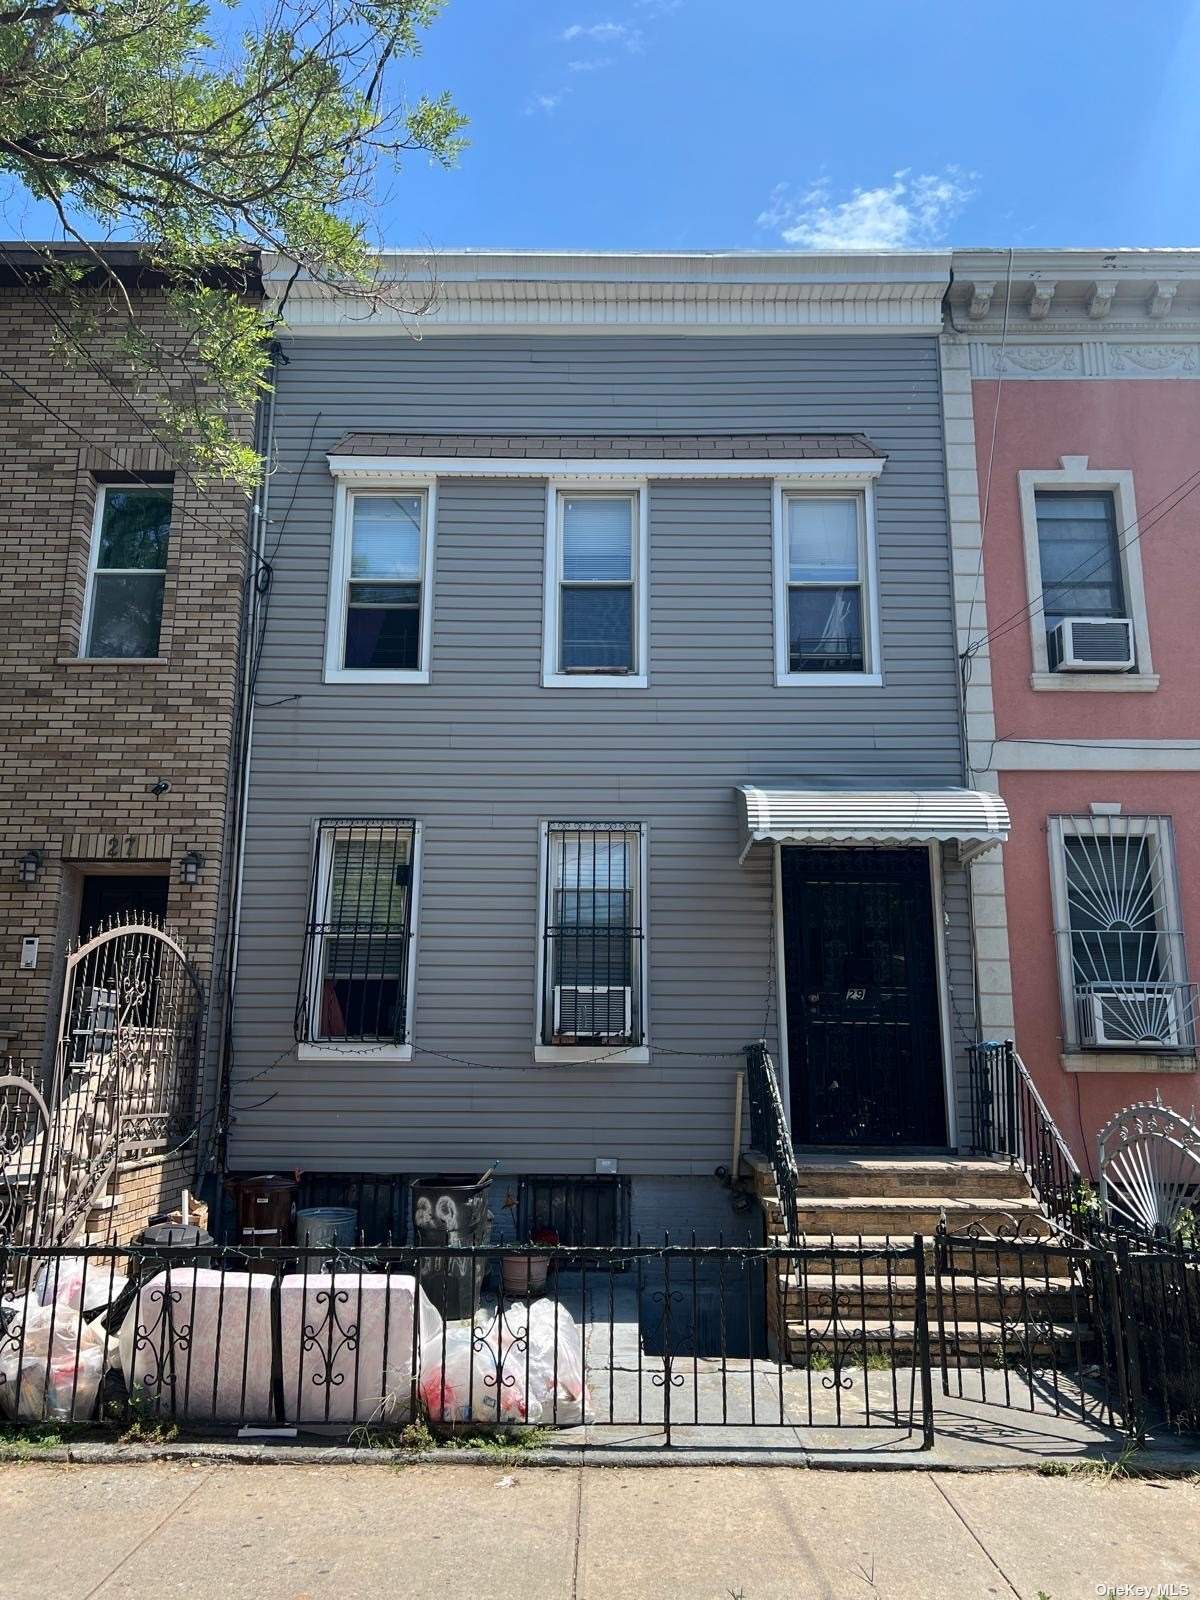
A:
{"x": 1092, "y": 644}
{"x": 1130, "y": 1015}
{"x": 584, "y": 1011}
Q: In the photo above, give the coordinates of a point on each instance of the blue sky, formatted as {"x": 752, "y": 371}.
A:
{"x": 696, "y": 124}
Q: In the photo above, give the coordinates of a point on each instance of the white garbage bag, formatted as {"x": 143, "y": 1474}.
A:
{"x": 51, "y": 1363}
{"x": 94, "y": 1281}
{"x": 524, "y": 1368}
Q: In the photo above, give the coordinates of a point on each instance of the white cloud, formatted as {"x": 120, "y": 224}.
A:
{"x": 595, "y": 65}
{"x": 545, "y": 104}
{"x": 612, "y": 33}
{"x": 907, "y": 213}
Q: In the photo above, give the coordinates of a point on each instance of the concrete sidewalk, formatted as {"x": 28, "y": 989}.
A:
{"x": 590, "y": 1533}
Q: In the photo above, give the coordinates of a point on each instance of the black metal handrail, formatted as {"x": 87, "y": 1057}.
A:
{"x": 769, "y": 1132}
{"x": 1009, "y": 1118}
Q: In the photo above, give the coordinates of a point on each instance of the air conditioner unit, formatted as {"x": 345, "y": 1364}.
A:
{"x": 1092, "y": 644}
{"x": 588, "y": 1011}
{"x": 1130, "y": 1015}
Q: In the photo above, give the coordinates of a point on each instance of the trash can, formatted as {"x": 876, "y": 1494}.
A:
{"x": 452, "y": 1210}
{"x": 326, "y": 1227}
{"x": 178, "y": 1233}
{"x": 266, "y": 1208}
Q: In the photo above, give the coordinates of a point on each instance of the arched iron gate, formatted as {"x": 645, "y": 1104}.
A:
{"x": 126, "y": 1065}
{"x": 24, "y": 1129}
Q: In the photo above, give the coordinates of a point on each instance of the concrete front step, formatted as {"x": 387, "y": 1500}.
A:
{"x": 875, "y": 1294}
{"x": 897, "y": 1177}
{"x": 825, "y": 1214}
{"x": 879, "y": 1336}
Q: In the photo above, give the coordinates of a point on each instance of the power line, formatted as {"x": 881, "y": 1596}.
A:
{"x": 1088, "y": 565}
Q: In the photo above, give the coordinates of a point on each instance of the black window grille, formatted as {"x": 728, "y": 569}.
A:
{"x": 592, "y": 935}
{"x": 354, "y": 976}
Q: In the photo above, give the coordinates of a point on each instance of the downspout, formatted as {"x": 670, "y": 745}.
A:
{"x": 258, "y": 587}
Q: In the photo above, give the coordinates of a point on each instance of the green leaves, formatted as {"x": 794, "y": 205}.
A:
{"x": 153, "y": 118}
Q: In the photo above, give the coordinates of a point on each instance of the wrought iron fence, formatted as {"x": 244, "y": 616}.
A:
{"x": 1032, "y": 1324}
{"x": 1160, "y": 1294}
{"x": 647, "y": 1343}
{"x": 1009, "y": 1118}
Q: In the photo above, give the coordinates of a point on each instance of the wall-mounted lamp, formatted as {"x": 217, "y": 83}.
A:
{"x": 30, "y": 865}
{"x": 189, "y": 867}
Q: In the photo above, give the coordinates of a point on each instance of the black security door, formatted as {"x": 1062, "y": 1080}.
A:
{"x": 864, "y": 1041}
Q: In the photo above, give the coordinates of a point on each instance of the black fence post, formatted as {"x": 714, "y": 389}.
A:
{"x": 927, "y": 1431}
{"x": 1128, "y": 1354}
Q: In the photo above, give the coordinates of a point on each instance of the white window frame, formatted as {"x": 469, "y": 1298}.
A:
{"x": 1157, "y": 830}
{"x": 1074, "y": 473}
{"x": 93, "y": 566}
{"x": 339, "y": 582}
{"x": 630, "y": 1055}
{"x": 862, "y": 491}
{"x": 557, "y": 491}
{"x": 362, "y": 1049}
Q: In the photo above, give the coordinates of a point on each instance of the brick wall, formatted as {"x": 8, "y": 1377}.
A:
{"x": 145, "y": 1189}
{"x": 82, "y": 743}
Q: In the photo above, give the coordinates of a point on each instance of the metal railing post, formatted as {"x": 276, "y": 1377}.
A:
{"x": 927, "y": 1428}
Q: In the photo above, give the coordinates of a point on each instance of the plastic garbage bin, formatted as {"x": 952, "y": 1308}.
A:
{"x": 452, "y": 1210}
{"x": 266, "y": 1208}
{"x": 324, "y": 1227}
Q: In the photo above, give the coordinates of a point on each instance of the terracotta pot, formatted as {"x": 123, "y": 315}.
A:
{"x": 524, "y": 1275}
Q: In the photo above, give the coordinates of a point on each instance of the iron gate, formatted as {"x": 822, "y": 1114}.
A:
{"x": 125, "y": 1080}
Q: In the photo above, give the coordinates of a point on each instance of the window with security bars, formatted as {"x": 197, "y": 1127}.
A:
{"x": 1121, "y": 948}
{"x": 592, "y": 935}
{"x": 354, "y": 983}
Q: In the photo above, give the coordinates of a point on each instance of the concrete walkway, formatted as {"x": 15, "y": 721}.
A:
{"x": 484, "y": 1532}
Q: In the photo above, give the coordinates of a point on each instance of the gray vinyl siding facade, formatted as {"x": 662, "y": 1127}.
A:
{"x": 483, "y": 753}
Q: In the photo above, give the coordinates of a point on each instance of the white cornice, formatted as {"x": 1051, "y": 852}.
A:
{"x": 694, "y": 293}
{"x": 389, "y": 470}
{"x": 1094, "y": 295}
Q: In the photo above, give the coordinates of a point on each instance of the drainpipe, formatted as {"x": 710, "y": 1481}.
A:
{"x": 258, "y": 585}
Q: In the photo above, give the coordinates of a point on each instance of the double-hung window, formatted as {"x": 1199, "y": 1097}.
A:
{"x": 355, "y": 980}
{"x": 127, "y": 571}
{"x": 1121, "y": 952}
{"x": 595, "y": 600}
{"x": 380, "y": 611}
{"x": 592, "y": 942}
{"x": 826, "y": 619}
{"x": 1080, "y": 557}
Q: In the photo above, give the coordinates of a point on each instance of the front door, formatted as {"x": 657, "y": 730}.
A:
{"x": 864, "y": 1038}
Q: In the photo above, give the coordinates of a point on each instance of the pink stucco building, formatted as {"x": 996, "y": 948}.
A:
{"x": 1073, "y": 417}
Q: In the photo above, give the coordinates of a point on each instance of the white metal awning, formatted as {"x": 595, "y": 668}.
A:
{"x": 970, "y": 817}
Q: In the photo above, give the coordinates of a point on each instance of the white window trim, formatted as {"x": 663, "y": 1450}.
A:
{"x": 633, "y": 1055}
{"x": 339, "y": 579}
{"x": 862, "y": 488}
{"x": 89, "y": 591}
{"x": 1160, "y": 833}
{"x": 363, "y": 1049}
{"x": 1076, "y": 474}
{"x": 552, "y": 678}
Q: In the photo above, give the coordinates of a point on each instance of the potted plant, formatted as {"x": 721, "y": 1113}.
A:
{"x": 525, "y": 1275}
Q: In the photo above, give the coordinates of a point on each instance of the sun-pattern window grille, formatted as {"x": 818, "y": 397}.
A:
{"x": 357, "y": 946}
{"x": 1121, "y": 945}
{"x": 592, "y": 935}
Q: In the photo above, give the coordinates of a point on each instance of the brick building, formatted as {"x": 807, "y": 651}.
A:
{"x": 119, "y": 664}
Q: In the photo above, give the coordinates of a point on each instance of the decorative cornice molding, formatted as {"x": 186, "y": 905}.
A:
{"x": 1099, "y": 301}
{"x": 1041, "y": 299}
{"x": 981, "y": 300}
{"x": 1085, "y": 358}
{"x": 1162, "y": 297}
{"x": 780, "y": 292}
